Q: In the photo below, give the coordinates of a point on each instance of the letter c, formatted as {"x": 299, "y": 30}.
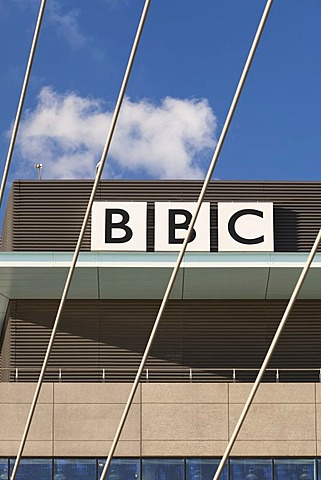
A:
{"x": 235, "y": 235}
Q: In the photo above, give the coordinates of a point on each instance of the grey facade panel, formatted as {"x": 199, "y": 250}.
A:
{"x": 47, "y": 215}
{"x": 197, "y": 335}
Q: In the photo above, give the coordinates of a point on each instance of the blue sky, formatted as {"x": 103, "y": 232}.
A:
{"x": 187, "y": 67}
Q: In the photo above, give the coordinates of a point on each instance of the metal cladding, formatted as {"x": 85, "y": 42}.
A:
{"x": 46, "y": 215}
{"x": 198, "y": 335}
{"x": 194, "y": 334}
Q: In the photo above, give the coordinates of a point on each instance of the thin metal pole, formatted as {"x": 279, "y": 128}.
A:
{"x": 193, "y": 220}
{"x": 82, "y": 231}
{"x": 22, "y": 99}
{"x": 267, "y": 358}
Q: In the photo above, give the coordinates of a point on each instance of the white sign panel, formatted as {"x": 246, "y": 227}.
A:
{"x": 245, "y": 227}
{"x": 119, "y": 226}
{"x": 171, "y": 223}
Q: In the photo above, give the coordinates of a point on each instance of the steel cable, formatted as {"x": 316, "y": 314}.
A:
{"x": 267, "y": 358}
{"x": 82, "y": 232}
{"x": 189, "y": 231}
{"x": 22, "y": 99}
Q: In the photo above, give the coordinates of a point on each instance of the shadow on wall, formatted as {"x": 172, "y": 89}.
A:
{"x": 112, "y": 335}
{"x": 285, "y": 230}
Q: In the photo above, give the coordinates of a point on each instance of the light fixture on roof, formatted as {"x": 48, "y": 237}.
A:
{"x": 38, "y": 166}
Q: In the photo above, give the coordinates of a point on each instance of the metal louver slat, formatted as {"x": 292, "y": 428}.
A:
{"x": 107, "y": 338}
{"x": 47, "y": 215}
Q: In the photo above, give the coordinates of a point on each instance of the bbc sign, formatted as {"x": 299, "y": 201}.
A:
{"x": 242, "y": 227}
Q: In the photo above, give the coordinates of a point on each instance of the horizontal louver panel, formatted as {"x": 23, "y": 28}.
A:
{"x": 107, "y": 338}
{"x": 47, "y": 215}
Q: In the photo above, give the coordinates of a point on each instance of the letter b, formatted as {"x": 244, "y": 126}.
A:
{"x": 111, "y": 225}
{"x": 173, "y": 226}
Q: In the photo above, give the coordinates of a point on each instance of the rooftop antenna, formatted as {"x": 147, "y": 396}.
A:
{"x": 38, "y": 166}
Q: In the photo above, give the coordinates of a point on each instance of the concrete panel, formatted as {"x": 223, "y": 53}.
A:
{"x": 275, "y": 422}
{"x": 273, "y": 393}
{"x": 177, "y": 420}
{"x": 13, "y": 393}
{"x": 184, "y": 422}
{"x": 95, "y": 393}
{"x": 318, "y": 392}
{"x": 94, "y": 422}
{"x": 95, "y": 448}
{"x": 183, "y": 448}
{"x": 32, "y": 448}
{"x": 274, "y": 449}
{"x": 184, "y": 393}
{"x": 318, "y": 453}
{"x": 13, "y": 419}
{"x": 318, "y": 448}
{"x": 318, "y": 422}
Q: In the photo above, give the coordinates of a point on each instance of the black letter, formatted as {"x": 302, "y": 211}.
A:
{"x": 109, "y": 225}
{"x": 236, "y": 236}
{"x": 173, "y": 226}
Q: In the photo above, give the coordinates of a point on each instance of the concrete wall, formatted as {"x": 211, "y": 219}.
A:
{"x": 165, "y": 419}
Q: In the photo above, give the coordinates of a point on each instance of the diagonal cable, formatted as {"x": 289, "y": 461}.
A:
{"x": 82, "y": 231}
{"x": 269, "y": 354}
{"x": 22, "y": 99}
{"x": 189, "y": 231}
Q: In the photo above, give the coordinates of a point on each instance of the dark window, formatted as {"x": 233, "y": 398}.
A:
{"x": 204, "y": 469}
{"x": 294, "y": 469}
{"x": 75, "y": 469}
{"x": 4, "y": 471}
{"x": 121, "y": 469}
{"x": 33, "y": 468}
{"x": 163, "y": 469}
{"x": 250, "y": 469}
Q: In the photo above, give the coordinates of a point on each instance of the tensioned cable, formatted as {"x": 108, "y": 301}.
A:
{"x": 189, "y": 231}
{"x": 267, "y": 358}
{"x": 22, "y": 99}
{"x": 82, "y": 231}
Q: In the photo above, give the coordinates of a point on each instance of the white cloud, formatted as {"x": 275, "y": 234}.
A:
{"x": 65, "y": 22}
{"x": 167, "y": 140}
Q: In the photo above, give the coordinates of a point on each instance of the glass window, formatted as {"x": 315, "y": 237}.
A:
{"x": 294, "y": 469}
{"x": 121, "y": 469}
{"x": 204, "y": 469}
{"x": 35, "y": 468}
{"x": 4, "y": 469}
{"x": 250, "y": 469}
{"x": 163, "y": 469}
{"x": 75, "y": 469}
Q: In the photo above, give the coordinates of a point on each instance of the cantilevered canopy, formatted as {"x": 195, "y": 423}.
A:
{"x": 144, "y": 275}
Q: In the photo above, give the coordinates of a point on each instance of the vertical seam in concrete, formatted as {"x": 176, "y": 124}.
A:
{"x": 53, "y": 420}
{"x": 315, "y": 419}
{"x": 99, "y": 323}
{"x": 141, "y": 420}
{"x": 228, "y": 411}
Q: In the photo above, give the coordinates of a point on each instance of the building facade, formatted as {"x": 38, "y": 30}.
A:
{"x": 222, "y": 314}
